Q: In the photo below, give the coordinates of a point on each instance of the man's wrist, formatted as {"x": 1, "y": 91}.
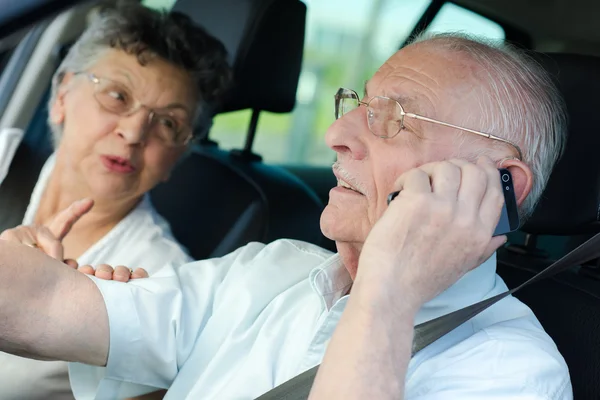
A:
{"x": 383, "y": 295}
{"x": 380, "y": 283}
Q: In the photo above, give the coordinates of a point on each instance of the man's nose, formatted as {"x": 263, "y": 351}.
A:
{"x": 134, "y": 127}
{"x": 347, "y": 135}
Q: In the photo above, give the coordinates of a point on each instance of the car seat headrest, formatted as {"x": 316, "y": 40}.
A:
{"x": 265, "y": 41}
{"x": 570, "y": 203}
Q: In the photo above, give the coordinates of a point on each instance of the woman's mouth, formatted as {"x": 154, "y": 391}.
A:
{"x": 117, "y": 164}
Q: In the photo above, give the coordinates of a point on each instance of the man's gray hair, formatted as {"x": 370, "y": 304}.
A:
{"x": 144, "y": 33}
{"x": 523, "y": 106}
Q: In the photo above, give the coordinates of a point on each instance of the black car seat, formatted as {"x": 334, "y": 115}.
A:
{"x": 568, "y": 306}
{"x": 216, "y": 200}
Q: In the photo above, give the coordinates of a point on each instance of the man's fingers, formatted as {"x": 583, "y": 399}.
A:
{"x": 495, "y": 243}
{"x": 445, "y": 179}
{"x": 64, "y": 220}
{"x": 104, "y": 271}
{"x": 415, "y": 180}
{"x": 493, "y": 199}
{"x": 122, "y": 274}
{"x": 139, "y": 273}
{"x": 473, "y": 187}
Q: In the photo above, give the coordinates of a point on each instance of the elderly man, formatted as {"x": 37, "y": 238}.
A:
{"x": 237, "y": 326}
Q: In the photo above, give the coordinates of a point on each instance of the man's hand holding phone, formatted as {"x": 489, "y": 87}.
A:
{"x": 439, "y": 227}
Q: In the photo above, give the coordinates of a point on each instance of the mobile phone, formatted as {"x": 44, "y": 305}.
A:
{"x": 509, "y": 217}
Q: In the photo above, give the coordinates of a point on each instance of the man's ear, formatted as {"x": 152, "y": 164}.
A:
{"x": 57, "y": 110}
{"x": 522, "y": 178}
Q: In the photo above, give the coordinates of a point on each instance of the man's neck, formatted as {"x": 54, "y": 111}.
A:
{"x": 349, "y": 254}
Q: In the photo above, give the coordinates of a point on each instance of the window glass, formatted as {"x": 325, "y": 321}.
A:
{"x": 4, "y": 57}
{"x": 9, "y": 76}
{"x": 159, "y": 4}
{"x": 8, "y": 46}
{"x": 453, "y": 18}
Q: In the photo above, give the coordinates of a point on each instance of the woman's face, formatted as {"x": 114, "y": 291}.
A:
{"x": 123, "y": 125}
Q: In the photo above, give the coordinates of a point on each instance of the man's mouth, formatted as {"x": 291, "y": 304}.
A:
{"x": 346, "y": 185}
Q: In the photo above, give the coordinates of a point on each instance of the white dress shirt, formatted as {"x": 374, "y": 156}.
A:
{"x": 141, "y": 239}
{"x": 235, "y": 327}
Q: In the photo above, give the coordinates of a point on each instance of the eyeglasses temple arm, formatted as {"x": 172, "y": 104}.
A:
{"x": 486, "y": 135}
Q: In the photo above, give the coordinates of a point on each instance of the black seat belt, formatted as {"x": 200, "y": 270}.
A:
{"x": 428, "y": 332}
{"x": 15, "y": 190}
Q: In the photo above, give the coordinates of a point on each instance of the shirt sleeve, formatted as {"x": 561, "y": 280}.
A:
{"x": 150, "y": 336}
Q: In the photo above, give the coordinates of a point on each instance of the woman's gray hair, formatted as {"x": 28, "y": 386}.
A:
{"x": 146, "y": 33}
{"x": 521, "y": 104}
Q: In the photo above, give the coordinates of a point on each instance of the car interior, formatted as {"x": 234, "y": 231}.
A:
{"x": 222, "y": 197}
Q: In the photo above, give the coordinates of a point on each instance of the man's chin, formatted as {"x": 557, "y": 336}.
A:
{"x": 340, "y": 225}
{"x": 327, "y": 222}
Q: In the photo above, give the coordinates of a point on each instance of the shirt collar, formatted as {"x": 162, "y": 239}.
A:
{"x": 471, "y": 288}
{"x": 331, "y": 281}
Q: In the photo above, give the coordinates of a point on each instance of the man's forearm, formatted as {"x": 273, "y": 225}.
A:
{"x": 48, "y": 310}
{"x": 369, "y": 353}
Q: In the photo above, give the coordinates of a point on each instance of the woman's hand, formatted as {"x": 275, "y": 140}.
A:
{"x": 49, "y": 240}
{"x": 120, "y": 273}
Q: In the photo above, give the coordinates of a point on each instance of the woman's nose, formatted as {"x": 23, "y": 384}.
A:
{"x": 134, "y": 128}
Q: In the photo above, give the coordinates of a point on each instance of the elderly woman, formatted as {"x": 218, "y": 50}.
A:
{"x": 122, "y": 108}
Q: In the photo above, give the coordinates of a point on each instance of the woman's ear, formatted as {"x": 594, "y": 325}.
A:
{"x": 57, "y": 110}
{"x": 522, "y": 178}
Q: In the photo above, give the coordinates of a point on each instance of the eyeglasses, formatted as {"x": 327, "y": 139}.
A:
{"x": 169, "y": 124}
{"x": 385, "y": 116}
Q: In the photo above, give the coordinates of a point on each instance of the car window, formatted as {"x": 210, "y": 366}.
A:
{"x": 453, "y": 18}
{"x": 11, "y": 65}
{"x": 159, "y": 4}
{"x": 4, "y": 57}
{"x": 7, "y": 48}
